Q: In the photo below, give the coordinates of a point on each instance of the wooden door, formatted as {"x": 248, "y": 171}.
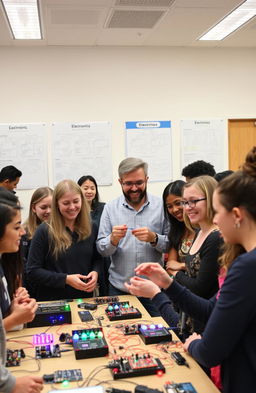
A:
{"x": 241, "y": 138}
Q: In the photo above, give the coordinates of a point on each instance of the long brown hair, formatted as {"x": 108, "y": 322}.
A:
{"x": 59, "y": 236}
{"x": 239, "y": 190}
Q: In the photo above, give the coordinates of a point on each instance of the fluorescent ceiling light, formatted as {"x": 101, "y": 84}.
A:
{"x": 232, "y": 22}
{"x": 23, "y": 17}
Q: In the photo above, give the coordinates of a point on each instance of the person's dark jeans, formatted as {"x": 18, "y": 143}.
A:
{"x": 149, "y": 306}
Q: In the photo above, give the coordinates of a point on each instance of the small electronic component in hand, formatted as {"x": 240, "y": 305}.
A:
{"x": 47, "y": 351}
{"x": 179, "y": 359}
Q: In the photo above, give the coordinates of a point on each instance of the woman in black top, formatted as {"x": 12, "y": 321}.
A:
{"x": 63, "y": 260}
{"x": 90, "y": 190}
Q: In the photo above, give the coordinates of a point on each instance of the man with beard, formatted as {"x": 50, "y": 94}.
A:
{"x": 132, "y": 228}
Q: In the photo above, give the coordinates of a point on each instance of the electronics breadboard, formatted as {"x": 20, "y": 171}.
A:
{"x": 131, "y": 329}
{"x": 60, "y": 376}
{"x": 136, "y": 366}
{"x": 105, "y": 300}
{"x": 47, "y": 351}
{"x": 154, "y": 333}
{"x": 13, "y": 357}
{"x": 48, "y": 314}
{"x": 121, "y": 310}
{"x": 185, "y": 387}
{"x": 89, "y": 343}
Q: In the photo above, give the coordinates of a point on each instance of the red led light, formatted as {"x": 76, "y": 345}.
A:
{"x": 160, "y": 373}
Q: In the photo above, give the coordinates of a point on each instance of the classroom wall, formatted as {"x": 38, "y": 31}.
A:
{"x": 58, "y": 84}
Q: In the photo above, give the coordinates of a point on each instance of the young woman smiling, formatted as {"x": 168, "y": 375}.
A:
{"x": 180, "y": 236}
{"x": 63, "y": 260}
{"x": 201, "y": 275}
{"x": 10, "y": 235}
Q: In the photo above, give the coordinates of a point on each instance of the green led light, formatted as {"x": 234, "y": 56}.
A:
{"x": 92, "y": 336}
{"x": 84, "y": 336}
{"x": 67, "y": 307}
{"x": 79, "y": 301}
{"x": 65, "y": 384}
{"x": 100, "y": 334}
{"x": 126, "y": 305}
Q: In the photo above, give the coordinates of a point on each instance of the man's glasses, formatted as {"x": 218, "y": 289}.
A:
{"x": 192, "y": 202}
{"x": 138, "y": 183}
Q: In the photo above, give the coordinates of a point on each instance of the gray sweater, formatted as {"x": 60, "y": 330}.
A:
{"x": 7, "y": 380}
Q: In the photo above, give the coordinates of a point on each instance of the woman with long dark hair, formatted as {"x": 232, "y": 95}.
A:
{"x": 89, "y": 188}
{"x": 10, "y": 235}
{"x": 180, "y": 236}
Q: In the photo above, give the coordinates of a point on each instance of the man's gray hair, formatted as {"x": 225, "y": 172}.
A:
{"x": 131, "y": 164}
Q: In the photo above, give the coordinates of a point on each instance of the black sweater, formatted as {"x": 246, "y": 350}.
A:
{"x": 229, "y": 336}
{"x": 49, "y": 274}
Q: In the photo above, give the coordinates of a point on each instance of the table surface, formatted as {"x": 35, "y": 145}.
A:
{"x": 119, "y": 345}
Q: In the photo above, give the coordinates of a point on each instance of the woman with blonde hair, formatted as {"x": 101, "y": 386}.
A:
{"x": 39, "y": 211}
{"x": 63, "y": 261}
{"x": 201, "y": 261}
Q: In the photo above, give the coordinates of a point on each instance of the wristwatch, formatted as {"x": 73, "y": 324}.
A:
{"x": 154, "y": 243}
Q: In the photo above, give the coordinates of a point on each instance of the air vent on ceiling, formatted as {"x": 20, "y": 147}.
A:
{"x": 131, "y": 19}
{"x": 144, "y": 3}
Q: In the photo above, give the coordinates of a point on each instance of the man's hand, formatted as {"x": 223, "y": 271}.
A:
{"x": 144, "y": 234}
{"x": 118, "y": 232}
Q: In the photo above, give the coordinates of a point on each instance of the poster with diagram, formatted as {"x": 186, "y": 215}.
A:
{"x": 151, "y": 141}
{"x": 82, "y": 149}
{"x": 25, "y": 147}
{"x": 205, "y": 140}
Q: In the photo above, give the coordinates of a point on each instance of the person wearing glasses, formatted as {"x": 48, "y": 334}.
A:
{"x": 132, "y": 228}
{"x": 180, "y": 236}
{"x": 202, "y": 268}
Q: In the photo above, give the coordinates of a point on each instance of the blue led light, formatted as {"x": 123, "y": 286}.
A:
{"x": 144, "y": 327}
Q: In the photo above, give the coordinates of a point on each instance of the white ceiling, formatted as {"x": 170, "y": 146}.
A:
{"x": 132, "y": 23}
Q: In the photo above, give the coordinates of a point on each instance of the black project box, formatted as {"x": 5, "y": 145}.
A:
{"x": 121, "y": 310}
{"x": 136, "y": 366}
{"x": 154, "y": 333}
{"x": 89, "y": 343}
{"x": 47, "y": 314}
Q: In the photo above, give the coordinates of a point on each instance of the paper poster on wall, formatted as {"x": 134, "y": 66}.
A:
{"x": 25, "y": 147}
{"x": 82, "y": 149}
{"x": 151, "y": 141}
{"x": 205, "y": 140}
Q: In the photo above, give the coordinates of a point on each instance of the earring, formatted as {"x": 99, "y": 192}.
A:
{"x": 237, "y": 225}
